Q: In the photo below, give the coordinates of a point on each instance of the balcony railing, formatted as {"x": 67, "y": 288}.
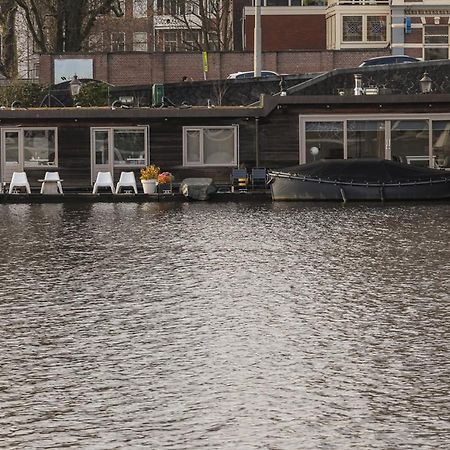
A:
{"x": 171, "y": 23}
{"x": 358, "y": 2}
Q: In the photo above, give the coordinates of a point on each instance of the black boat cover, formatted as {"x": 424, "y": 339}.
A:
{"x": 365, "y": 171}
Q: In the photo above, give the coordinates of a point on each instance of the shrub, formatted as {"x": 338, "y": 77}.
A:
{"x": 93, "y": 93}
{"x": 27, "y": 94}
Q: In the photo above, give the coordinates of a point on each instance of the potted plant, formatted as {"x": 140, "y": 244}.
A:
{"x": 149, "y": 178}
{"x": 165, "y": 182}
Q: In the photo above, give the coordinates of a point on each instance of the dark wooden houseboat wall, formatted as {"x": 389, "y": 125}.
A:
{"x": 268, "y": 135}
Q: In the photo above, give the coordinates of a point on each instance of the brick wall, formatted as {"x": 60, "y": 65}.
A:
{"x": 148, "y": 68}
{"x": 288, "y": 32}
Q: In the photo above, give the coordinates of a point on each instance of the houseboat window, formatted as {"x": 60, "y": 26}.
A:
{"x": 120, "y": 147}
{"x": 129, "y": 146}
{"x": 365, "y": 139}
{"x": 193, "y": 146}
{"x": 210, "y": 146}
{"x": 410, "y": 141}
{"x": 39, "y": 148}
{"x": 327, "y": 137}
{"x": 441, "y": 142}
{"x": 12, "y": 147}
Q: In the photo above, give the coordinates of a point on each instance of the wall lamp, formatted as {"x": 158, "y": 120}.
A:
{"x": 425, "y": 83}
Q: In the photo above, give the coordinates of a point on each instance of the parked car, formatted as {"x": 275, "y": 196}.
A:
{"x": 244, "y": 75}
{"x": 394, "y": 59}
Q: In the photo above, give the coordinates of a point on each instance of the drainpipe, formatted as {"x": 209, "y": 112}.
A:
{"x": 256, "y": 142}
{"x": 358, "y": 84}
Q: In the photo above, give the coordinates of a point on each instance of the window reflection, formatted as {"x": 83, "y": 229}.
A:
{"x": 327, "y": 137}
{"x": 365, "y": 139}
{"x": 441, "y": 142}
{"x": 39, "y": 148}
{"x": 409, "y": 142}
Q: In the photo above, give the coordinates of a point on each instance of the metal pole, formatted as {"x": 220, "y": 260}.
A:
{"x": 257, "y": 40}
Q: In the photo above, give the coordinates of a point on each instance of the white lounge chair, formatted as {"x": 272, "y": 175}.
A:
{"x": 104, "y": 179}
{"x": 127, "y": 179}
{"x": 18, "y": 180}
{"x": 51, "y": 184}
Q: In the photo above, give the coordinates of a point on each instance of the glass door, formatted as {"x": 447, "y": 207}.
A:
{"x": 11, "y": 156}
{"x": 410, "y": 142}
{"x": 101, "y": 161}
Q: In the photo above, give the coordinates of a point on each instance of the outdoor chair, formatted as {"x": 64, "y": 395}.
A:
{"x": 127, "y": 179}
{"x": 104, "y": 180}
{"x": 239, "y": 179}
{"x": 51, "y": 184}
{"x": 258, "y": 178}
{"x": 18, "y": 180}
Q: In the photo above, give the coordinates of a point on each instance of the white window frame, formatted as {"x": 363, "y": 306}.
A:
{"x": 388, "y": 118}
{"x": 140, "y": 45}
{"x": 201, "y": 129}
{"x": 171, "y": 45}
{"x": 21, "y": 163}
{"x": 364, "y": 39}
{"x": 431, "y": 46}
{"x": 110, "y": 131}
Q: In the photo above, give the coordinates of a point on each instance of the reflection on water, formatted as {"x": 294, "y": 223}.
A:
{"x": 225, "y": 325}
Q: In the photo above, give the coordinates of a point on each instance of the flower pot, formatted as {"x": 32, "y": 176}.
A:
{"x": 149, "y": 186}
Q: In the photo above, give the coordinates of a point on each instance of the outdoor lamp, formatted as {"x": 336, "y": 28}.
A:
{"x": 425, "y": 83}
{"x": 75, "y": 86}
{"x": 314, "y": 152}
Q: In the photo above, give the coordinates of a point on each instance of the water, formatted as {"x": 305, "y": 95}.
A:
{"x": 225, "y": 326}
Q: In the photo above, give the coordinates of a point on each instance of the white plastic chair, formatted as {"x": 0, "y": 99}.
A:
{"x": 127, "y": 179}
{"x": 50, "y": 180}
{"x": 19, "y": 179}
{"x": 104, "y": 179}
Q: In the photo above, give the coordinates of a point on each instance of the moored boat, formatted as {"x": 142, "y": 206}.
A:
{"x": 359, "y": 180}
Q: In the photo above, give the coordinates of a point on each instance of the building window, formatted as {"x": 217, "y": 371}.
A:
{"x": 191, "y": 39}
{"x": 117, "y": 41}
{"x": 120, "y": 147}
{"x": 170, "y": 41}
{"x": 170, "y": 7}
{"x": 139, "y": 8}
{"x": 435, "y": 39}
{"x": 95, "y": 42}
{"x": 140, "y": 42}
{"x": 364, "y": 28}
{"x": 376, "y": 28}
{"x": 210, "y": 146}
{"x": 352, "y": 28}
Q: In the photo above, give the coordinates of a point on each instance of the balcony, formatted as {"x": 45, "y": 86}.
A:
{"x": 168, "y": 22}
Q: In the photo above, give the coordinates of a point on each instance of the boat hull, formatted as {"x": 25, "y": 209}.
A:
{"x": 284, "y": 188}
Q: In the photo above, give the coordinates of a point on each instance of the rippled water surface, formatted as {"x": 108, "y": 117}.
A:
{"x": 225, "y": 326}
